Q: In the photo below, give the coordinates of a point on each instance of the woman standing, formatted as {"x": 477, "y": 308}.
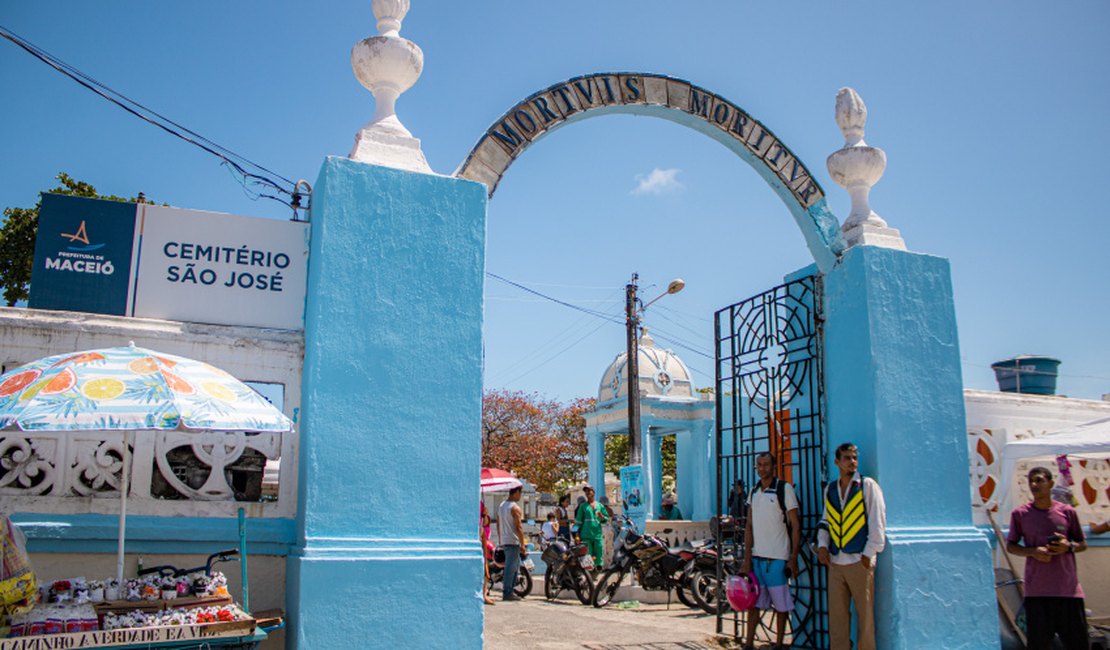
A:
{"x": 563, "y": 517}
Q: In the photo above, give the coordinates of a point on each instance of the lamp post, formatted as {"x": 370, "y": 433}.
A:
{"x": 632, "y": 322}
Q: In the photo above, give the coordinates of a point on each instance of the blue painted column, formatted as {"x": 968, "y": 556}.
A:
{"x": 595, "y": 459}
{"x": 653, "y": 471}
{"x": 894, "y": 387}
{"x": 390, "y": 444}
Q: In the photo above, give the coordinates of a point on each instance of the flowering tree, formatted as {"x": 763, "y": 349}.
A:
{"x": 542, "y": 441}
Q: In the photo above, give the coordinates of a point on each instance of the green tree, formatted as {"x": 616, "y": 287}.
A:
{"x": 17, "y": 236}
{"x": 616, "y": 454}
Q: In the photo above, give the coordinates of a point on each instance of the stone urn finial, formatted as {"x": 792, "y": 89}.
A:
{"x": 857, "y": 167}
{"x": 388, "y": 65}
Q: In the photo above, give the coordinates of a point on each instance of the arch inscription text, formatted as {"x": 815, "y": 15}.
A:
{"x": 621, "y": 92}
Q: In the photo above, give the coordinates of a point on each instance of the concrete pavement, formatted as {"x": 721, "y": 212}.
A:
{"x": 564, "y": 624}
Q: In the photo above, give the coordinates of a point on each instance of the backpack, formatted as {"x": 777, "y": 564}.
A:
{"x": 780, "y": 494}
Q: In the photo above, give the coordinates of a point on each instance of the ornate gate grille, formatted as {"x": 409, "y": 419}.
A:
{"x": 769, "y": 393}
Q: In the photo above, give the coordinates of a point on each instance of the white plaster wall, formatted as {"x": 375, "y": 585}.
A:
{"x": 267, "y": 576}
{"x": 997, "y": 418}
{"x": 248, "y": 353}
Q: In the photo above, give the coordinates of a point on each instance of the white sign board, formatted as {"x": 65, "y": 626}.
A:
{"x": 207, "y": 267}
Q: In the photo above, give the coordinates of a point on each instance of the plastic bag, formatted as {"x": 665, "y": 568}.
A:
{"x": 17, "y": 581}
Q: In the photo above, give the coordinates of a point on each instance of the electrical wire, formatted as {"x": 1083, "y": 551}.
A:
{"x": 593, "y": 312}
{"x": 234, "y": 161}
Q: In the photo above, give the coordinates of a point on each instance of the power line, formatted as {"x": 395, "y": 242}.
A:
{"x": 612, "y": 318}
{"x": 234, "y": 161}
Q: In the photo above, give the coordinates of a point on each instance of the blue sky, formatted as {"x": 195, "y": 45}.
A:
{"x": 993, "y": 116}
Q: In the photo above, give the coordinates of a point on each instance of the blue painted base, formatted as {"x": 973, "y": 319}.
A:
{"x": 935, "y": 589}
{"x": 894, "y": 388}
{"x": 384, "y": 602}
{"x": 387, "y": 549}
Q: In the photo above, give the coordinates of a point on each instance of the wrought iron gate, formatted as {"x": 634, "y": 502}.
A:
{"x": 769, "y": 393}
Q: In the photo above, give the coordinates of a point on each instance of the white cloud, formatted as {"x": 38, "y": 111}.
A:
{"x": 659, "y": 181}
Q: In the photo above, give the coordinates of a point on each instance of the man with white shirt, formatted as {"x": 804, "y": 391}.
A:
{"x": 773, "y": 537}
{"x": 851, "y": 533}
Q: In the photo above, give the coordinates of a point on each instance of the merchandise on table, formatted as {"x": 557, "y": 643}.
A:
{"x": 81, "y": 605}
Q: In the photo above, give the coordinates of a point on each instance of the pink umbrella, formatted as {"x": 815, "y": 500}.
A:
{"x": 498, "y": 480}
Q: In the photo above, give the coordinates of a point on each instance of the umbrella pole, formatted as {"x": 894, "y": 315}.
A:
{"x": 123, "y": 488}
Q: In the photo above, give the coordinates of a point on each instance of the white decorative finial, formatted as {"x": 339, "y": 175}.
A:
{"x": 857, "y": 167}
{"x": 388, "y": 65}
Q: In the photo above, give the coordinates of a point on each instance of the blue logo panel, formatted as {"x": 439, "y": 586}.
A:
{"x": 83, "y": 255}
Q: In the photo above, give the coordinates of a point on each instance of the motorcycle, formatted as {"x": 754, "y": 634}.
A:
{"x": 496, "y": 565}
{"x": 647, "y": 557}
{"x": 701, "y": 573}
{"x": 568, "y": 567}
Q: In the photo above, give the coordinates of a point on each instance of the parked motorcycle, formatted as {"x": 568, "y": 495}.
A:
{"x": 523, "y": 585}
{"x": 701, "y": 572}
{"x": 568, "y": 567}
{"x": 647, "y": 557}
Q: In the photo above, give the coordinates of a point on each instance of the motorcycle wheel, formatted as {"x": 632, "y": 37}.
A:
{"x": 704, "y": 590}
{"x": 523, "y": 583}
{"x": 583, "y": 586}
{"x": 683, "y": 598}
{"x": 550, "y": 588}
{"x": 606, "y": 588}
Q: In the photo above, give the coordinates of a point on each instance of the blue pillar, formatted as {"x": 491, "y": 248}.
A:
{"x": 894, "y": 387}
{"x": 653, "y": 472}
{"x": 389, "y": 438}
{"x": 595, "y": 459}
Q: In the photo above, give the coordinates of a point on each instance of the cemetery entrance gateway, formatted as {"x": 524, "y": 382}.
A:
{"x": 769, "y": 393}
{"x": 768, "y": 384}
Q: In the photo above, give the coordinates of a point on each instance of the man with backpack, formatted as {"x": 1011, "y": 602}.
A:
{"x": 773, "y": 539}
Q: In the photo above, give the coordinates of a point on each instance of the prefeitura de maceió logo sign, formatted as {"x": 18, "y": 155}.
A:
{"x": 82, "y": 255}
{"x": 212, "y": 264}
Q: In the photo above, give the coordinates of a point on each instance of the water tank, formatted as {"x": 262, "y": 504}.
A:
{"x": 1027, "y": 374}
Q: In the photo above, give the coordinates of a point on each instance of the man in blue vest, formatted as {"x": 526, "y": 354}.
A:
{"x": 851, "y": 533}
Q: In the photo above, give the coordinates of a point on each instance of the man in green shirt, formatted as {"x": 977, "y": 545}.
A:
{"x": 591, "y": 515}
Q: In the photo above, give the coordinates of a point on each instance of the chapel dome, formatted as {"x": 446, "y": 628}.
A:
{"x": 662, "y": 374}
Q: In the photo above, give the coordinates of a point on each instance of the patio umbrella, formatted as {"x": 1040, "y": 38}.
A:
{"x": 129, "y": 389}
{"x": 498, "y": 480}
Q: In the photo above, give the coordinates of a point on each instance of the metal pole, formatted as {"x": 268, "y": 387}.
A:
{"x": 125, "y": 472}
{"x": 632, "y": 320}
{"x": 243, "y": 559}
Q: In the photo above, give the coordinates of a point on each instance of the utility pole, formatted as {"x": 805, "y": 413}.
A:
{"x": 632, "y": 320}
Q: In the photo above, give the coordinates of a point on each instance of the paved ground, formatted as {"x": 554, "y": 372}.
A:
{"x": 536, "y": 623}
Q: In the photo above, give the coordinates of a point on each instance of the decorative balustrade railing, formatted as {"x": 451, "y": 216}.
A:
{"x": 172, "y": 473}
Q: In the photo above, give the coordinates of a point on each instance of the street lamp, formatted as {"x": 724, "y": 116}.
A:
{"x": 632, "y": 321}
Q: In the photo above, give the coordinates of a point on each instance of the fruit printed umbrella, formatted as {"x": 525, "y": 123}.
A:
{"x": 498, "y": 480}
{"x": 129, "y": 389}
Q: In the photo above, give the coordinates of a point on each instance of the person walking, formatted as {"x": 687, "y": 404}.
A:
{"x": 487, "y": 552}
{"x": 590, "y": 516}
{"x": 1048, "y": 535}
{"x": 563, "y": 516}
{"x": 773, "y": 533}
{"x": 510, "y": 533}
{"x": 851, "y": 533}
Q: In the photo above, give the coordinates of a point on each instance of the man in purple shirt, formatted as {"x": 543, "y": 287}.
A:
{"x": 1048, "y": 535}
